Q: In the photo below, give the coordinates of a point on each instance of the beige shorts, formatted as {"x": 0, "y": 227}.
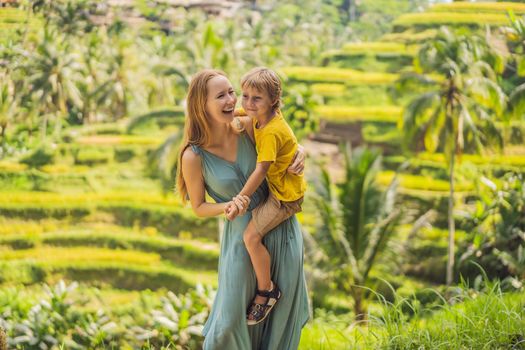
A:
{"x": 272, "y": 212}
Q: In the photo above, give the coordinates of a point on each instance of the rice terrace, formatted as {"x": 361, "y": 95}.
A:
{"x": 411, "y": 114}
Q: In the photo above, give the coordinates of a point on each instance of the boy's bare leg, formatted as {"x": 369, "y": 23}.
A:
{"x": 260, "y": 259}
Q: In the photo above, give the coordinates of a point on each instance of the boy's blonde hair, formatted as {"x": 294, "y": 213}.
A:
{"x": 264, "y": 79}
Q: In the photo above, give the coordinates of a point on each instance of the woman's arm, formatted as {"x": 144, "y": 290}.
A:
{"x": 192, "y": 174}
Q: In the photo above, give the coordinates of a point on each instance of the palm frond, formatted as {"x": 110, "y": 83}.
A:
{"x": 327, "y": 234}
{"x": 379, "y": 236}
{"x": 491, "y": 135}
{"x": 168, "y": 71}
{"x": 416, "y": 114}
{"x": 517, "y": 101}
{"x": 163, "y": 161}
{"x": 387, "y": 218}
{"x": 359, "y": 197}
{"x": 325, "y": 188}
{"x": 487, "y": 93}
{"x": 409, "y": 80}
{"x": 434, "y": 128}
{"x": 482, "y": 69}
{"x": 176, "y": 114}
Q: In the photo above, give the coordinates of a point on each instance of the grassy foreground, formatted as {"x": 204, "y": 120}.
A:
{"x": 473, "y": 320}
{"x": 63, "y": 317}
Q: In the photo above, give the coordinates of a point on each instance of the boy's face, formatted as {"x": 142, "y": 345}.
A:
{"x": 256, "y": 103}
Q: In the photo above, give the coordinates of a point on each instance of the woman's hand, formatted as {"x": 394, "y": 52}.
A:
{"x": 299, "y": 157}
{"x": 238, "y": 207}
{"x": 231, "y": 210}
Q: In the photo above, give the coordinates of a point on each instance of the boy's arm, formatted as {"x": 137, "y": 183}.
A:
{"x": 256, "y": 178}
{"x": 266, "y": 154}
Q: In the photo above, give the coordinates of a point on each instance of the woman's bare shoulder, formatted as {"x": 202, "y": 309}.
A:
{"x": 190, "y": 157}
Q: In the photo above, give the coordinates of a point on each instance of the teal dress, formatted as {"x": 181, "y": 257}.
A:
{"x": 226, "y": 328}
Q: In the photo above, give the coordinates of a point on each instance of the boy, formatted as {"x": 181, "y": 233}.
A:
{"x": 275, "y": 144}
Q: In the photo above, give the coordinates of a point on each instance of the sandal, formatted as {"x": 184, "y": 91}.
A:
{"x": 257, "y": 313}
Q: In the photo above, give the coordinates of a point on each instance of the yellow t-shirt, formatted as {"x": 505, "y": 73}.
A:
{"x": 276, "y": 142}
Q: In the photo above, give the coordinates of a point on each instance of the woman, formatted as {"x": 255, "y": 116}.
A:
{"x": 217, "y": 158}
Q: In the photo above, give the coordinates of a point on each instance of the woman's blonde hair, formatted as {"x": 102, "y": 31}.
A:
{"x": 196, "y": 126}
{"x": 264, "y": 79}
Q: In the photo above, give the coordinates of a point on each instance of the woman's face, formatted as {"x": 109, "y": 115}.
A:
{"x": 221, "y": 100}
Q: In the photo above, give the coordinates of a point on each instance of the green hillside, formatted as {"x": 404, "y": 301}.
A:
{"x": 98, "y": 251}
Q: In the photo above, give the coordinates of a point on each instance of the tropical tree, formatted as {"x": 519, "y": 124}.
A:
{"x": 72, "y": 17}
{"x": 515, "y": 34}
{"x": 516, "y": 43}
{"x": 498, "y": 229}
{"x": 162, "y": 163}
{"x": 16, "y": 106}
{"x": 116, "y": 88}
{"x": 298, "y": 109}
{"x": 92, "y": 87}
{"x": 458, "y": 107}
{"x": 168, "y": 82}
{"x": 7, "y": 108}
{"x": 51, "y": 76}
{"x": 357, "y": 220}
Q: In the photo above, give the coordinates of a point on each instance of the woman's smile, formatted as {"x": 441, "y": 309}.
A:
{"x": 221, "y": 100}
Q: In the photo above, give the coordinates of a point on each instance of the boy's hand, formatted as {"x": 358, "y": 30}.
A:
{"x": 239, "y": 207}
{"x": 239, "y": 112}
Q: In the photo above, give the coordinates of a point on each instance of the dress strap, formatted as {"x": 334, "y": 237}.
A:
{"x": 196, "y": 149}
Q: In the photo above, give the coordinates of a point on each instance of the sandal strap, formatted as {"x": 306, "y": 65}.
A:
{"x": 268, "y": 293}
{"x": 264, "y": 293}
{"x": 274, "y": 293}
{"x": 257, "y": 310}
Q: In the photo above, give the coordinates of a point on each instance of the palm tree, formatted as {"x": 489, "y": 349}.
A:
{"x": 108, "y": 75}
{"x": 170, "y": 79}
{"x": 357, "y": 220}
{"x": 298, "y": 108}
{"x": 516, "y": 42}
{"x": 8, "y": 94}
{"x": 92, "y": 87}
{"x": 53, "y": 73}
{"x": 458, "y": 108}
{"x": 498, "y": 223}
{"x": 116, "y": 88}
{"x": 72, "y": 17}
{"x": 8, "y": 106}
{"x": 204, "y": 48}
{"x": 162, "y": 163}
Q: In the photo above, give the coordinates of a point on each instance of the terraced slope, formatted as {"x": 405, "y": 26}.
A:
{"x": 12, "y": 19}
{"x": 104, "y": 255}
{"x": 92, "y": 214}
